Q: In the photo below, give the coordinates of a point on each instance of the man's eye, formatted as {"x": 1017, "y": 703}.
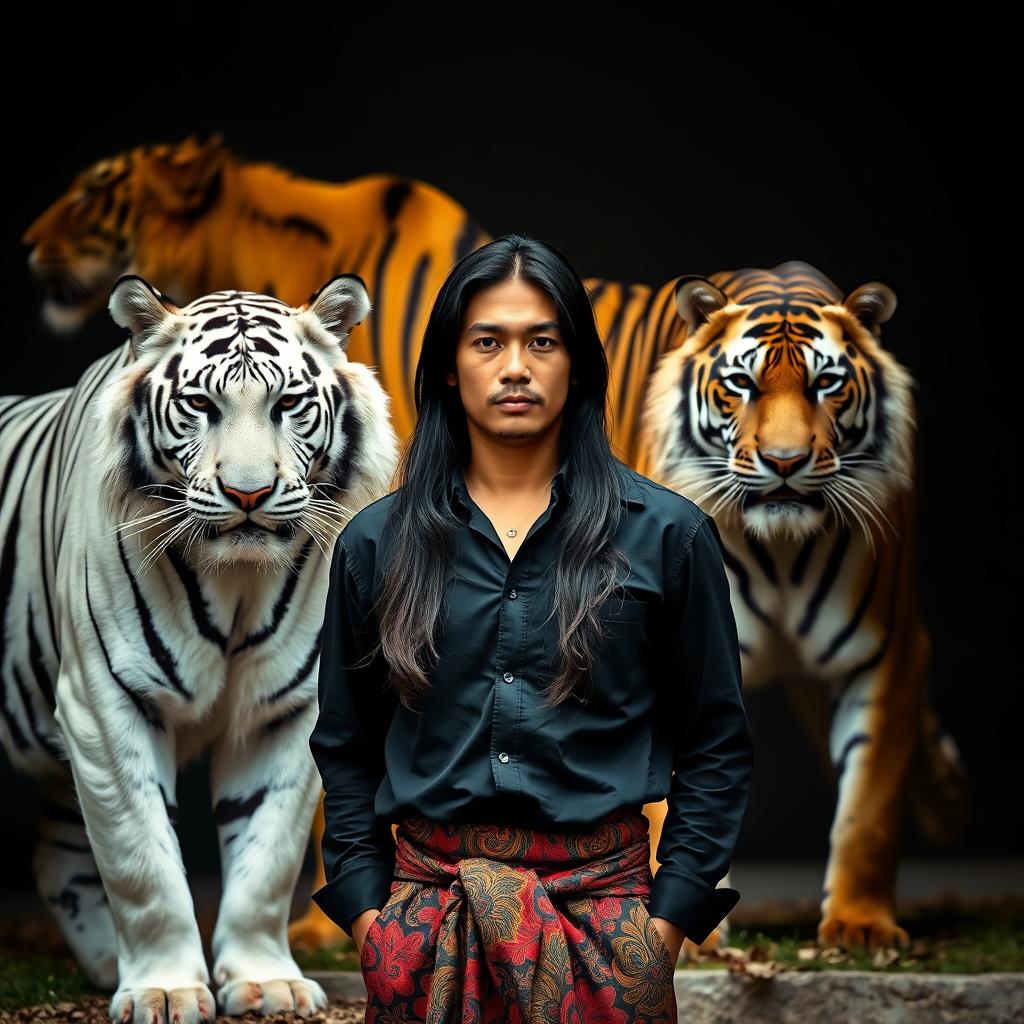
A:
{"x": 552, "y": 340}
{"x": 485, "y": 339}
{"x": 198, "y": 402}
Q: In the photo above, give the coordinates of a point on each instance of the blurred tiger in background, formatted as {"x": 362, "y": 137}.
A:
{"x": 192, "y": 217}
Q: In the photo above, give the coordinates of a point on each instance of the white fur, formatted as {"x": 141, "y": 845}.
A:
{"x": 124, "y": 769}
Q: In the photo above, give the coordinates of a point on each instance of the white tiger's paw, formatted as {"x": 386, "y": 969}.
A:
{"x": 303, "y": 995}
{"x": 191, "y": 1005}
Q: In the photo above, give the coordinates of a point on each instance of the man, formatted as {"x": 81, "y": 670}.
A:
{"x": 520, "y": 644}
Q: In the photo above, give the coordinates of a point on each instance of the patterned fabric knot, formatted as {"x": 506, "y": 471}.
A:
{"x": 520, "y": 925}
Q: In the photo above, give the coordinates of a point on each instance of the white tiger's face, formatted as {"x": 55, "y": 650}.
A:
{"x": 235, "y": 428}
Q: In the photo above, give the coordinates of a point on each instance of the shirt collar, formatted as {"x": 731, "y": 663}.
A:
{"x": 634, "y": 496}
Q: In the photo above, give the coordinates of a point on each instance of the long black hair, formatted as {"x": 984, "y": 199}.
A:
{"x": 421, "y": 525}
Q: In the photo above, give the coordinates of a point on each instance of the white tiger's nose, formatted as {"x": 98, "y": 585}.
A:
{"x": 246, "y": 500}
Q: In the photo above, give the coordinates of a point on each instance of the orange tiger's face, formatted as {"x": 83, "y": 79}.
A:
{"x": 87, "y": 239}
{"x": 790, "y": 414}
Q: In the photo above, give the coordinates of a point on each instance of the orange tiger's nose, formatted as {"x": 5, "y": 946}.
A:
{"x": 246, "y": 500}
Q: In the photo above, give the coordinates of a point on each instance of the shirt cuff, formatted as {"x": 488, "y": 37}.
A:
{"x": 689, "y": 903}
{"x": 348, "y": 895}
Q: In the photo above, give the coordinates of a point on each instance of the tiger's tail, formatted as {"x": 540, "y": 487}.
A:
{"x": 937, "y": 784}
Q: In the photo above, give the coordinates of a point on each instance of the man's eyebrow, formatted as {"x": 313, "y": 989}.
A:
{"x": 544, "y": 325}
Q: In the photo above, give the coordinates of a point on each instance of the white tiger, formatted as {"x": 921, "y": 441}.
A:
{"x": 141, "y": 515}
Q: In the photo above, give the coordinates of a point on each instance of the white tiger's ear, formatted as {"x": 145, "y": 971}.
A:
{"x": 696, "y": 299}
{"x": 872, "y": 304}
{"x": 335, "y": 309}
{"x": 137, "y": 307}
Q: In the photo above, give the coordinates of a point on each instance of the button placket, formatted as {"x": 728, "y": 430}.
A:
{"x": 503, "y": 725}
{"x": 505, "y": 719}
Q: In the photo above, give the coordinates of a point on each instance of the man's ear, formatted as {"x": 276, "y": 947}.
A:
{"x": 139, "y": 308}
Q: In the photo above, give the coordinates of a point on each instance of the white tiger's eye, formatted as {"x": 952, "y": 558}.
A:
{"x": 289, "y": 402}
{"x": 198, "y": 402}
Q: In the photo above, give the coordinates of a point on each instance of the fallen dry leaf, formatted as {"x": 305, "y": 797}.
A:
{"x": 885, "y": 957}
{"x": 834, "y": 955}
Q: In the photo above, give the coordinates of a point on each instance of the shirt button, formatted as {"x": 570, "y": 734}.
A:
{"x": 503, "y": 757}
{"x": 513, "y": 594}
{"x": 508, "y": 677}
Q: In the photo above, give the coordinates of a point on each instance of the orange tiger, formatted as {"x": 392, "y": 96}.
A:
{"x": 775, "y": 407}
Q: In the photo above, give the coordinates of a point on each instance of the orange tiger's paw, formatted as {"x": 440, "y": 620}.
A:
{"x": 858, "y": 927}
{"x": 314, "y": 930}
{"x": 698, "y": 951}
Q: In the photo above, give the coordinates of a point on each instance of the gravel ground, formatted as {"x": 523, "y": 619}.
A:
{"x": 93, "y": 1010}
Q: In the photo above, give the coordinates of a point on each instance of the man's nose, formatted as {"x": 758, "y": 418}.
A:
{"x": 246, "y": 500}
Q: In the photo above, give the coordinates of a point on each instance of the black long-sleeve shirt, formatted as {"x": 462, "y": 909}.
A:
{"x": 666, "y": 695}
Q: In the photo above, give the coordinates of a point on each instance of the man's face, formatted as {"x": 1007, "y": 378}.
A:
{"x": 511, "y": 344}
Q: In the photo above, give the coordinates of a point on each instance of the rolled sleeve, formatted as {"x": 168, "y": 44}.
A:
{"x": 347, "y": 744}
{"x": 713, "y": 756}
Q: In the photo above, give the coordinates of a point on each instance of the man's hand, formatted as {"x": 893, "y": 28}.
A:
{"x": 360, "y": 925}
{"x": 670, "y": 935}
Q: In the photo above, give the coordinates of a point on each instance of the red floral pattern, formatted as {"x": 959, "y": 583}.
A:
{"x": 490, "y": 923}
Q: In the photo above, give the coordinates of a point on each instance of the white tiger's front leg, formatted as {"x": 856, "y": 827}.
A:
{"x": 265, "y": 792}
{"x": 122, "y": 758}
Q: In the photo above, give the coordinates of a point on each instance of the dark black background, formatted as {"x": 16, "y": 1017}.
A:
{"x": 643, "y": 144}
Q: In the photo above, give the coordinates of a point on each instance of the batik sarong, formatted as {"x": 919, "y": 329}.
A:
{"x": 491, "y": 923}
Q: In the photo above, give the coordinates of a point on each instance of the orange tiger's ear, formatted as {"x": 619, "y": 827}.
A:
{"x": 184, "y": 177}
{"x": 137, "y": 307}
{"x": 872, "y": 304}
{"x": 696, "y": 299}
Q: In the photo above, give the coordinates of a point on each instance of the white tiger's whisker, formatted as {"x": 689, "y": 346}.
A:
{"x": 326, "y": 523}
{"x": 331, "y": 514}
{"x": 160, "y": 548}
{"x": 168, "y": 516}
{"x": 309, "y": 519}
{"x": 161, "y": 514}
{"x": 314, "y": 533}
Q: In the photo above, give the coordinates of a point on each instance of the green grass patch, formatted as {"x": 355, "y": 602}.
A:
{"x": 28, "y": 979}
{"x": 974, "y": 949}
{"x": 944, "y": 939}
